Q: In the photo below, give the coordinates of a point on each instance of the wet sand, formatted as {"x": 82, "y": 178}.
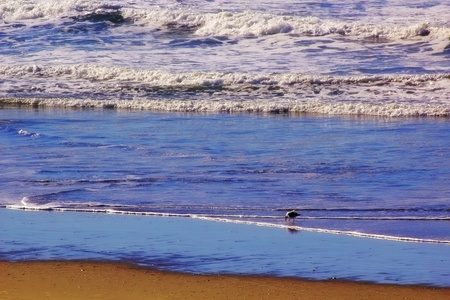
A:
{"x": 100, "y": 280}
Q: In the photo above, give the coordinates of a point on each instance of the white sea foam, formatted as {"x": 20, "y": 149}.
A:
{"x": 396, "y": 95}
{"x": 223, "y": 23}
{"x": 27, "y": 133}
{"x": 12, "y": 10}
{"x": 165, "y": 78}
{"x": 26, "y": 204}
{"x": 258, "y": 24}
{"x": 263, "y": 106}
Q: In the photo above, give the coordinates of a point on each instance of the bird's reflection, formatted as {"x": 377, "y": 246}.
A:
{"x": 293, "y": 230}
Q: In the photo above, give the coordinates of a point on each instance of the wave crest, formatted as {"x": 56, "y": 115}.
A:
{"x": 166, "y": 78}
{"x": 224, "y": 23}
{"x": 127, "y": 88}
{"x": 262, "y": 106}
{"x": 13, "y": 10}
{"x": 256, "y": 24}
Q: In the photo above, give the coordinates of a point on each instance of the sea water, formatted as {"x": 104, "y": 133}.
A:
{"x": 207, "y": 247}
{"x": 231, "y": 111}
{"x": 333, "y": 57}
{"x": 360, "y": 176}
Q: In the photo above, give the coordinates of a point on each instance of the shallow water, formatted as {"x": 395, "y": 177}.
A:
{"x": 371, "y": 176}
{"x": 205, "y": 247}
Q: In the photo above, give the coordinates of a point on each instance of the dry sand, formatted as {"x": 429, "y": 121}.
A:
{"x": 99, "y": 280}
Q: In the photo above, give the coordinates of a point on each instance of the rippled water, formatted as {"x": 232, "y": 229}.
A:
{"x": 230, "y": 111}
{"x": 374, "y": 176}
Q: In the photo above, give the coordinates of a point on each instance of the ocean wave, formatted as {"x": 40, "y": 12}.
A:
{"x": 222, "y": 23}
{"x": 263, "y": 106}
{"x": 229, "y": 92}
{"x": 207, "y": 79}
{"x": 16, "y": 10}
{"x": 256, "y": 24}
{"x": 133, "y": 210}
{"x": 38, "y": 201}
{"x": 164, "y": 78}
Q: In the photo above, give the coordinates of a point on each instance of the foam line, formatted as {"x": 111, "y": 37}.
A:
{"x": 261, "y": 106}
{"x": 208, "y": 79}
{"x": 352, "y": 233}
{"x": 26, "y": 206}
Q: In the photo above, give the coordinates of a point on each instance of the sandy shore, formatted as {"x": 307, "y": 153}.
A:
{"x": 97, "y": 280}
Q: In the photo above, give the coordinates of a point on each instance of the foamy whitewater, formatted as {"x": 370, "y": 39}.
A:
{"x": 339, "y": 57}
{"x": 231, "y": 111}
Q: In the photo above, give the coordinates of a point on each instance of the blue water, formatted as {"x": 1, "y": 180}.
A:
{"x": 370, "y": 175}
{"x": 207, "y": 247}
{"x": 231, "y": 111}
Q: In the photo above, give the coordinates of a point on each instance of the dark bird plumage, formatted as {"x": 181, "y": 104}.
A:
{"x": 291, "y": 215}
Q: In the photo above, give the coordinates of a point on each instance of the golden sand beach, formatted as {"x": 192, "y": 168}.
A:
{"x": 100, "y": 280}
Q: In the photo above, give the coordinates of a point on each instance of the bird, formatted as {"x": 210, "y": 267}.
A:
{"x": 291, "y": 215}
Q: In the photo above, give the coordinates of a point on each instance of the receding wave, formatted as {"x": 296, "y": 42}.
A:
{"x": 352, "y": 233}
{"x": 268, "y": 221}
{"x": 236, "y": 220}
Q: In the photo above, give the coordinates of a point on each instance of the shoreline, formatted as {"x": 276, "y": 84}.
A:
{"x": 57, "y": 279}
{"x": 166, "y": 243}
{"x": 290, "y": 227}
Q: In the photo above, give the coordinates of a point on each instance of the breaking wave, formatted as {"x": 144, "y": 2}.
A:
{"x": 223, "y": 23}
{"x": 165, "y": 78}
{"x": 137, "y": 89}
{"x": 263, "y": 106}
{"x": 255, "y": 24}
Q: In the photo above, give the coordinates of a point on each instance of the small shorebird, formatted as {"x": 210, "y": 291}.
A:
{"x": 291, "y": 215}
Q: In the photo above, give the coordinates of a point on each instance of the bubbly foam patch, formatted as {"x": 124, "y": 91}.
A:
{"x": 11, "y": 10}
{"x": 165, "y": 78}
{"x": 255, "y": 24}
{"x": 223, "y": 23}
{"x": 263, "y": 106}
{"x": 127, "y": 88}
